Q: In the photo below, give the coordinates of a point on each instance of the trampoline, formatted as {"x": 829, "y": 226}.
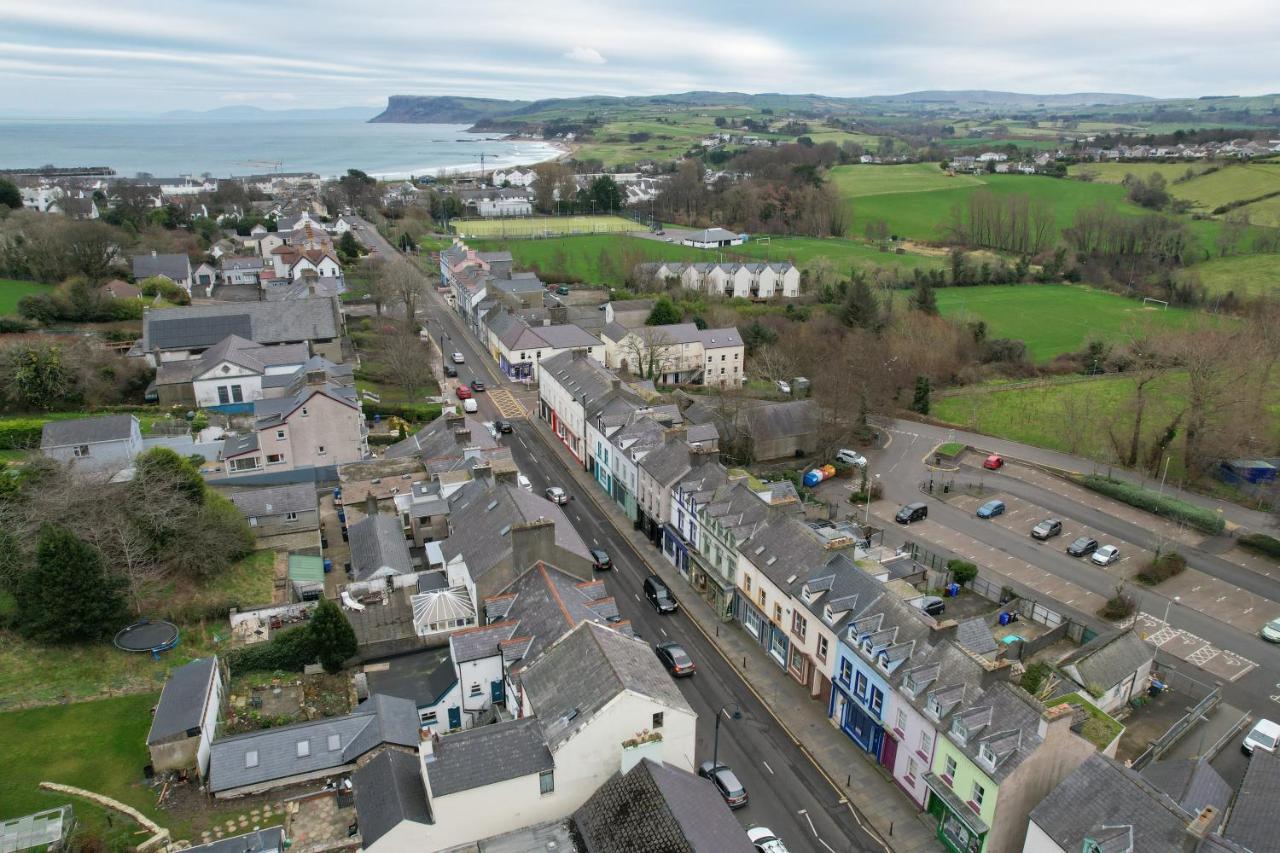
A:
{"x": 148, "y": 636}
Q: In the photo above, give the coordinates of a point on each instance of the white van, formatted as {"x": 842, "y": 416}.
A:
{"x": 469, "y": 405}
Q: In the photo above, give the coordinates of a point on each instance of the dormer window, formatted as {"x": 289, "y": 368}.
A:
{"x": 987, "y": 757}
{"x": 933, "y": 708}
{"x": 959, "y": 732}
{"x": 909, "y": 685}
{"x": 883, "y": 661}
{"x": 827, "y": 615}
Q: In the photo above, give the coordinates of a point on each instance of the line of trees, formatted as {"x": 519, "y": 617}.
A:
{"x": 1009, "y": 222}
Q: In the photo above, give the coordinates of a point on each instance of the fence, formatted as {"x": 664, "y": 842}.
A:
{"x": 1166, "y": 741}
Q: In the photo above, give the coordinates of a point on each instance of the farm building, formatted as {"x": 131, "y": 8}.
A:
{"x": 712, "y": 238}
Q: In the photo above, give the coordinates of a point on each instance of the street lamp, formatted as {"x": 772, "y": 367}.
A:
{"x": 866, "y": 518}
{"x": 735, "y": 714}
{"x": 1175, "y": 600}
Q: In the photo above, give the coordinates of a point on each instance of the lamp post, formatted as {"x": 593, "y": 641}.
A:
{"x": 736, "y": 714}
{"x": 866, "y": 518}
{"x": 1175, "y": 600}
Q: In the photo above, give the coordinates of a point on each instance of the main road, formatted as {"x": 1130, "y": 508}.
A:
{"x": 787, "y": 792}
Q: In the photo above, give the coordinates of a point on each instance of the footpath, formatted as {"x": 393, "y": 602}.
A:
{"x": 875, "y": 801}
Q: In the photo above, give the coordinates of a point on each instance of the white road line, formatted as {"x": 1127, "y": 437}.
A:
{"x": 663, "y": 631}
{"x": 826, "y": 845}
{"x": 637, "y": 598}
{"x": 767, "y": 767}
{"x": 812, "y": 828}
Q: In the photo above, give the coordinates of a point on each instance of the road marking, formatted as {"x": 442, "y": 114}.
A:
{"x": 663, "y": 631}
{"x": 595, "y": 541}
{"x": 826, "y": 845}
{"x": 767, "y": 767}
{"x": 636, "y": 597}
{"x": 812, "y": 828}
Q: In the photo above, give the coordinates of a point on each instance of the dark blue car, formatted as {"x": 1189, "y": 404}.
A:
{"x": 991, "y": 509}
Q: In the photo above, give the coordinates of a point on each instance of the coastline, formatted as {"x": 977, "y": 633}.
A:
{"x": 562, "y": 151}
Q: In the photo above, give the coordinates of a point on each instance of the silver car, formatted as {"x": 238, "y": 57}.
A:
{"x": 556, "y": 495}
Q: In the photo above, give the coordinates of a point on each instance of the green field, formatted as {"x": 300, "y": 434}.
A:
{"x": 1054, "y": 318}
{"x": 1265, "y": 212}
{"x": 607, "y": 259}
{"x": 1247, "y": 275}
{"x": 11, "y": 291}
{"x": 1114, "y": 173}
{"x": 865, "y": 180}
{"x": 543, "y": 226}
{"x": 1233, "y": 183}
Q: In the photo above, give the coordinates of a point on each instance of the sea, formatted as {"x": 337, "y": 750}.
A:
{"x": 328, "y": 147}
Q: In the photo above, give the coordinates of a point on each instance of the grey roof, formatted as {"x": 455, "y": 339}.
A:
{"x": 1191, "y": 782}
{"x": 276, "y": 500}
{"x": 252, "y": 262}
{"x": 778, "y": 420}
{"x": 726, "y": 337}
{"x": 486, "y": 755}
{"x": 567, "y": 336}
{"x": 1102, "y": 795}
{"x": 87, "y": 430}
{"x": 174, "y": 267}
{"x": 389, "y": 791}
{"x": 586, "y": 669}
{"x": 274, "y": 411}
{"x": 655, "y": 807}
{"x": 438, "y": 439}
{"x": 250, "y": 355}
{"x": 667, "y": 463}
{"x": 377, "y": 543}
{"x": 234, "y": 445}
{"x": 377, "y": 721}
{"x": 1107, "y": 660}
{"x": 1008, "y": 721}
{"x": 182, "y": 700}
{"x": 516, "y": 285}
{"x": 325, "y": 286}
{"x": 424, "y": 676}
{"x": 976, "y": 636}
{"x": 1252, "y": 822}
{"x": 584, "y": 378}
{"x": 711, "y": 235}
{"x": 267, "y": 840}
{"x": 198, "y": 326}
{"x": 335, "y": 374}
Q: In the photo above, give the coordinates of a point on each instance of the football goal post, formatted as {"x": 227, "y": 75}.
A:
{"x": 1155, "y": 303}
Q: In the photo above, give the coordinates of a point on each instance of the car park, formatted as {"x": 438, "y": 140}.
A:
{"x": 1271, "y": 631}
{"x": 991, "y": 509}
{"x": 1264, "y": 735}
{"x": 851, "y": 457}
{"x": 459, "y": 358}
{"x": 726, "y": 782}
{"x": 912, "y": 512}
{"x": 556, "y": 495}
{"x": 659, "y": 595}
{"x": 450, "y": 370}
{"x": 994, "y": 462}
{"x": 1046, "y": 529}
{"x": 1105, "y": 555}
{"x": 502, "y": 426}
{"x": 1082, "y": 546}
{"x": 763, "y": 839}
{"x": 477, "y": 385}
{"x": 463, "y": 392}
{"x": 600, "y": 560}
{"x": 675, "y": 659}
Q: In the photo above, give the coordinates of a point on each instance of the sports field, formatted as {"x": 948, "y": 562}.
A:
{"x": 1054, "y": 318}
{"x": 543, "y": 226}
{"x": 11, "y": 291}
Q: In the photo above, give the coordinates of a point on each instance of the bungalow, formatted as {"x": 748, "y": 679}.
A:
{"x": 176, "y": 268}
{"x": 712, "y": 238}
{"x": 241, "y": 269}
{"x": 102, "y": 445}
{"x": 178, "y": 334}
{"x": 1112, "y": 668}
{"x": 279, "y": 510}
{"x": 186, "y": 717}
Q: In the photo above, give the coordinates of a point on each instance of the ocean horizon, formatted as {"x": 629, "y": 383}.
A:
{"x": 223, "y": 149}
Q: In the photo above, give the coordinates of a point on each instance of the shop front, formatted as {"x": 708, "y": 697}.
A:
{"x": 959, "y": 829}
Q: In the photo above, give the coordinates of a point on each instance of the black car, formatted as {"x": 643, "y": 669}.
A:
{"x": 1046, "y": 529}
{"x": 502, "y": 426}
{"x": 675, "y": 659}
{"x": 659, "y": 595}
{"x": 600, "y": 560}
{"x": 450, "y": 370}
{"x": 1082, "y": 547}
{"x": 477, "y": 385}
{"x": 912, "y": 512}
{"x": 726, "y": 782}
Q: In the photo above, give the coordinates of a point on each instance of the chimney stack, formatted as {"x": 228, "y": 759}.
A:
{"x": 462, "y": 436}
{"x": 1199, "y": 827}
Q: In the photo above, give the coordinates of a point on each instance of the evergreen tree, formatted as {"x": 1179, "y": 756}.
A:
{"x": 920, "y": 401}
{"x": 860, "y": 309}
{"x": 664, "y": 313}
{"x": 66, "y": 596}
{"x": 10, "y": 195}
{"x": 757, "y": 335}
{"x": 348, "y": 246}
{"x": 924, "y": 300}
{"x": 332, "y": 636}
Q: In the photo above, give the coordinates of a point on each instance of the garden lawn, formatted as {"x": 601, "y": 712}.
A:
{"x": 12, "y": 290}
{"x": 1251, "y": 275}
{"x": 1054, "y": 318}
{"x": 539, "y": 226}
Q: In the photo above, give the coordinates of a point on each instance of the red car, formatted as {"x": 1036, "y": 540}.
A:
{"x": 993, "y": 462}
{"x": 464, "y": 393}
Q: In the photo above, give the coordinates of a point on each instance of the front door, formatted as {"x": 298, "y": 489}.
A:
{"x": 497, "y": 691}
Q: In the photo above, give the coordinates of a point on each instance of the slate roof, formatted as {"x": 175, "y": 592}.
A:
{"x": 235, "y": 445}
{"x": 1252, "y": 822}
{"x": 437, "y": 439}
{"x": 716, "y": 338}
{"x": 668, "y": 462}
{"x": 276, "y": 500}
{"x": 86, "y": 431}
{"x": 173, "y": 267}
{"x": 274, "y": 411}
{"x": 487, "y": 755}
{"x": 377, "y": 542}
{"x": 182, "y": 700}
{"x": 266, "y": 840}
{"x": 580, "y": 376}
{"x": 1108, "y": 660}
{"x": 232, "y": 264}
{"x": 389, "y": 791}
{"x": 1192, "y": 783}
{"x": 567, "y": 337}
{"x": 378, "y": 720}
{"x": 197, "y": 326}
{"x": 655, "y": 807}
{"x": 974, "y": 635}
{"x": 584, "y": 670}
{"x": 1008, "y": 721}
{"x": 1100, "y": 794}
{"x": 250, "y": 355}
{"x": 778, "y": 420}
{"x": 425, "y": 676}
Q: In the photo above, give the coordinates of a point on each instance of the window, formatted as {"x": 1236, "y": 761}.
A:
{"x": 846, "y": 672}
{"x": 657, "y": 720}
{"x": 224, "y": 395}
{"x": 305, "y": 413}
{"x": 290, "y": 516}
{"x": 428, "y": 718}
{"x": 475, "y": 690}
{"x": 900, "y": 722}
{"x": 249, "y": 463}
{"x": 251, "y": 758}
{"x": 546, "y": 782}
{"x": 80, "y": 451}
{"x": 253, "y": 521}
{"x": 877, "y": 701}
{"x": 822, "y": 648}
{"x": 237, "y": 394}
{"x": 976, "y": 798}
{"x": 949, "y": 770}
{"x": 799, "y": 626}
{"x": 912, "y": 768}
{"x": 777, "y": 613}
{"x": 722, "y": 358}
{"x": 279, "y": 435}
{"x": 926, "y": 744}
{"x": 320, "y": 451}
{"x": 335, "y": 743}
{"x": 762, "y": 598}
{"x": 860, "y": 686}
{"x": 304, "y": 748}
{"x": 746, "y": 583}
{"x": 275, "y": 458}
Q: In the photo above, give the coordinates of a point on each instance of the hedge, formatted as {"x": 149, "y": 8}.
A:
{"x": 289, "y": 651}
{"x": 1205, "y": 520}
{"x": 21, "y": 433}
{"x": 412, "y": 412}
{"x": 1162, "y": 568}
{"x": 1262, "y": 543}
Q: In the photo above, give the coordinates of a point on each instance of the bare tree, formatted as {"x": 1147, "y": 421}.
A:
{"x": 407, "y": 286}
{"x": 774, "y": 363}
{"x": 649, "y": 352}
{"x": 405, "y": 360}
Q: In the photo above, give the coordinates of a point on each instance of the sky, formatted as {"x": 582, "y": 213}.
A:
{"x": 94, "y": 57}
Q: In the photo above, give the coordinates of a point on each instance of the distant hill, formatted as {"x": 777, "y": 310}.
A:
{"x": 1011, "y": 99}
{"x": 244, "y": 112}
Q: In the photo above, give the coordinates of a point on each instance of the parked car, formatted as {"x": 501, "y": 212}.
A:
{"x": 556, "y": 495}
{"x": 459, "y": 358}
{"x": 1047, "y": 529}
{"x": 659, "y": 595}
{"x": 469, "y": 406}
{"x": 783, "y": 386}
{"x": 931, "y": 604}
{"x": 1105, "y": 556}
{"x": 463, "y": 392}
{"x": 502, "y": 426}
{"x": 851, "y": 457}
{"x": 450, "y": 370}
{"x": 765, "y": 841}
{"x": 477, "y": 385}
{"x": 562, "y": 291}
{"x": 991, "y": 509}
{"x": 912, "y": 512}
{"x": 675, "y": 659}
{"x": 726, "y": 782}
{"x": 1263, "y": 736}
{"x": 600, "y": 560}
{"x": 1082, "y": 546}
{"x": 994, "y": 462}
{"x": 1271, "y": 631}
{"x": 523, "y": 482}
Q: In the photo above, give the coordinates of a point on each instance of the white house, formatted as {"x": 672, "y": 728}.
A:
{"x": 1112, "y": 668}
{"x": 712, "y": 238}
{"x": 232, "y": 371}
{"x": 569, "y": 382}
{"x": 515, "y": 178}
{"x": 103, "y": 445}
{"x": 176, "y": 268}
{"x": 185, "y": 719}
